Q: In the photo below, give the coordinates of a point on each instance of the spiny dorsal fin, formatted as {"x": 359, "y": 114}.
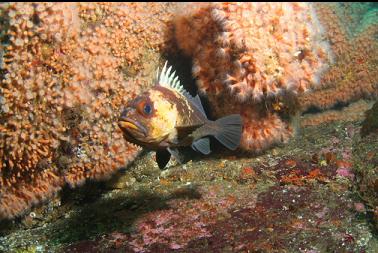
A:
{"x": 171, "y": 81}
{"x": 197, "y": 102}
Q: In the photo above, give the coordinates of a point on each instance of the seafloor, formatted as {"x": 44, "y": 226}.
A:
{"x": 314, "y": 194}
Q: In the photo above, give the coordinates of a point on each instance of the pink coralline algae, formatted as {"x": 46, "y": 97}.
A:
{"x": 231, "y": 217}
{"x": 171, "y": 228}
{"x": 343, "y": 172}
{"x": 359, "y": 207}
{"x": 185, "y": 220}
{"x": 344, "y": 169}
{"x": 249, "y": 58}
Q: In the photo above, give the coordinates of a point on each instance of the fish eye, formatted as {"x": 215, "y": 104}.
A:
{"x": 147, "y": 109}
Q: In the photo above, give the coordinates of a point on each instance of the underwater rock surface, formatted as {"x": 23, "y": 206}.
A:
{"x": 68, "y": 68}
{"x": 370, "y": 123}
{"x": 298, "y": 198}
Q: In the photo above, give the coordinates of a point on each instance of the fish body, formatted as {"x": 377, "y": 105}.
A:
{"x": 166, "y": 118}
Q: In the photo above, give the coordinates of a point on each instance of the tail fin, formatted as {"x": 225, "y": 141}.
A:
{"x": 231, "y": 129}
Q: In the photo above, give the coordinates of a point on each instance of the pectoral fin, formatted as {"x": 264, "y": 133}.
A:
{"x": 162, "y": 158}
{"x": 175, "y": 152}
{"x": 202, "y": 145}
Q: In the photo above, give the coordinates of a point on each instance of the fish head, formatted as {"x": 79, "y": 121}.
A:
{"x": 149, "y": 119}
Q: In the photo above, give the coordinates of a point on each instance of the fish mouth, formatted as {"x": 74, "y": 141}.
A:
{"x": 132, "y": 126}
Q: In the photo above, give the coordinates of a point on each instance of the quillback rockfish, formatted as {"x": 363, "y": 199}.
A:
{"x": 166, "y": 118}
